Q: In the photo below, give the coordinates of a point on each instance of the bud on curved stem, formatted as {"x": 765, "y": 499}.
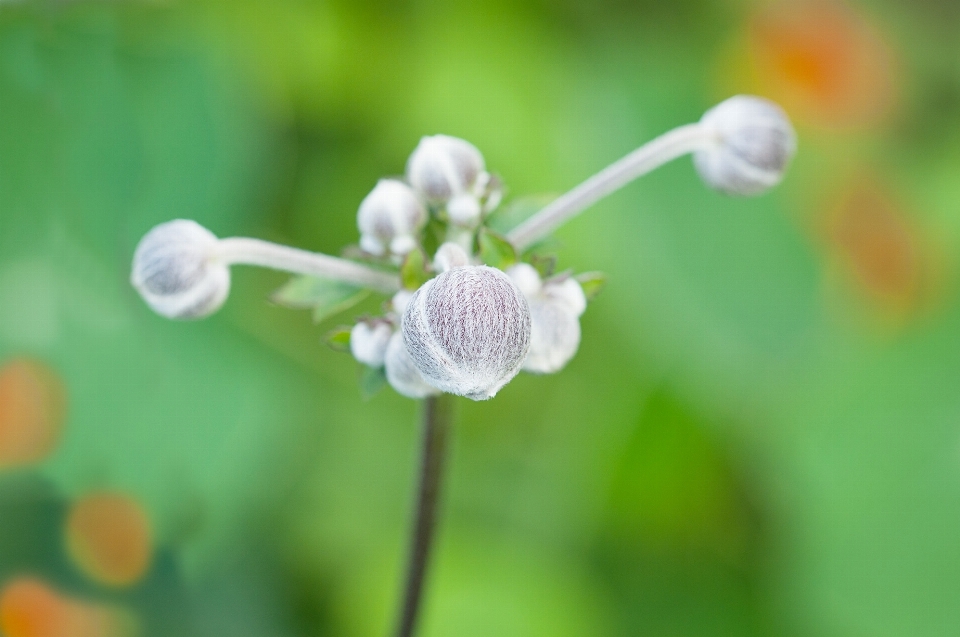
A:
{"x": 182, "y": 270}
{"x": 741, "y": 146}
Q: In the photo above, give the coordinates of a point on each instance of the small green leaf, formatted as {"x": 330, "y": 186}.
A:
{"x": 338, "y": 339}
{"x": 372, "y": 380}
{"x": 325, "y": 297}
{"x": 592, "y": 283}
{"x": 545, "y": 265}
{"x": 495, "y": 250}
{"x": 413, "y": 272}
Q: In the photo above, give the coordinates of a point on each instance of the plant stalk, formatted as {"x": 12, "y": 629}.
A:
{"x": 241, "y": 250}
{"x": 652, "y": 155}
{"x": 437, "y": 419}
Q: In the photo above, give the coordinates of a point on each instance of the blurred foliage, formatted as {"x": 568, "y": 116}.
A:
{"x": 759, "y": 436}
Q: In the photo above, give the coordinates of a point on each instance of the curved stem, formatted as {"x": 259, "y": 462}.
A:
{"x": 651, "y": 155}
{"x": 239, "y": 250}
{"x": 437, "y": 417}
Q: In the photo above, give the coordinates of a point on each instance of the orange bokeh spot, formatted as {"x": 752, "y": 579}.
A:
{"x": 108, "y": 536}
{"x": 880, "y": 246}
{"x": 32, "y": 410}
{"x": 823, "y": 62}
{"x": 29, "y": 608}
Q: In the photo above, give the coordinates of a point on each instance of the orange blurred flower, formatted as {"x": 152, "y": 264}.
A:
{"x": 32, "y": 410}
{"x": 29, "y": 608}
{"x": 880, "y": 247}
{"x": 823, "y": 63}
{"x": 108, "y": 536}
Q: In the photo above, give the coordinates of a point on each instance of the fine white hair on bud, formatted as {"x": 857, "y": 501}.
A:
{"x": 402, "y": 374}
{"x": 389, "y": 218}
{"x": 752, "y": 142}
{"x": 468, "y": 331}
{"x": 450, "y": 255}
{"x": 555, "y": 310}
{"x": 368, "y": 342}
{"x": 449, "y": 170}
{"x": 177, "y": 272}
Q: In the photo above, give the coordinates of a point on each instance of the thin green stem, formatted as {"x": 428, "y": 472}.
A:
{"x": 437, "y": 419}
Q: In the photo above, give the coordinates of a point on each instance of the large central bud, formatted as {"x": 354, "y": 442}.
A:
{"x": 468, "y": 331}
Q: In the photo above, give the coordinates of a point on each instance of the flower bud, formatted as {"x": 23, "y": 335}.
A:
{"x": 368, "y": 342}
{"x": 752, "y": 144}
{"x": 442, "y": 167}
{"x": 400, "y": 301}
{"x": 402, "y": 374}
{"x": 176, "y": 271}
{"x": 555, "y": 309}
{"x": 450, "y": 255}
{"x": 468, "y": 331}
{"x": 389, "y": 218}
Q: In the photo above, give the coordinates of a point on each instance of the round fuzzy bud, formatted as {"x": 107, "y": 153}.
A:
{"x": 400, "y": 301}
{"x": 402, "y": 374}
{"x": 527, "y": 279}
{"x": 450, "y": 255}
{"x": 555, "y": 309}
{"x": 464, "y": 210}
{"x": 389, "y": 218}
{"x": 368, "y": 342}
{"x": 442, "y": 167}
{"x": 555, "y": 336}
{"x": 176, "y": 270}
{"x": 752, "y": 144}
{"x": 468, "y": 331}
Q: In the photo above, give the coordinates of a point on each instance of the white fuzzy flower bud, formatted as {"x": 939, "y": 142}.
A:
{"x": 442, "y": 167}
{"x": 468, "y": 331}
{"x": 555, "y": 310}
{"x": 402, "y": 374}
{"x": 390, "y": 217}
{"x": 368, "y": 342}
{"x": 752, "y": 146}
{"x": 400, "y": 301}
{"x": 449, "y": 256}
{"x": 176, "y": 270}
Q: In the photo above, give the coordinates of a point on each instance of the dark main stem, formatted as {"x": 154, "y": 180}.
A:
{"x": 437, "y": 416}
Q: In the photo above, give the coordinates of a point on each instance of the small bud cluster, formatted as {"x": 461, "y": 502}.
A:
{"x": 457, "y": 324}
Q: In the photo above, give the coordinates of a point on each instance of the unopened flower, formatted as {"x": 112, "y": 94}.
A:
{"x": 751, "y": 144}
{"x": 177, "y": 271}
{"x": 390, "y": 218}
{"x": 555, "y": 310}
{"x": 448, "y": 170}
{"x": 468, "y": 331}
{"x": 402, "y": 374}
{"x": 368, "y": 342}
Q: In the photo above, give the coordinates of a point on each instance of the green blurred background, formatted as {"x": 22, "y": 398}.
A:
{"x": 760, "y": 434}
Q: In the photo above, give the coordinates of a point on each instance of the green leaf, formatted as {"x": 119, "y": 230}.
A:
{"x": 338, "y": 339}
{"x": 372, "y": 380}
{"x": 495, "y": 250}
{"x": 545, "y": 265}
{"x": 592, "y": 283}
{"x": 414, "y": 272}
{"x": 325, "y": 297}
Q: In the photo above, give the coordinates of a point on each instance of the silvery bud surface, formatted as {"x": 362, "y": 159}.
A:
{"x": 442, "y": 167}
{"x": 176, "y": 271}
{"x": 368, "y": 342}
{"x": 752, "y": 142}
{"x": 450, "y": 255}
{"x": 402, "y": 374}
{"x": 390, "y": 217}
{"x": 555, "y": 310}
{"x": 465, "y": 210}
{"x": 400, "y": 301}
{"x": 468, "y": 331}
